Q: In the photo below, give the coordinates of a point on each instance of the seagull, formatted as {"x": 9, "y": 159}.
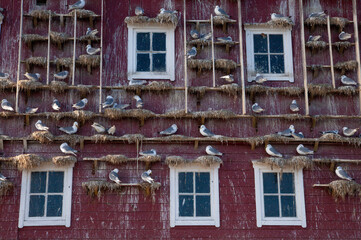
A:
{"x": 287, "y": 132}
{"x": 32, "y": 76}
{"x": 99, "y": 128}
{"x": 81, "y": 104}
{"x": 91, "y": 32}
{"x": 302, "y": 150}
{"x": 342, "y": 174}
{"x": 111, "y": 130}
{"x": 224, "y": 39}
{"x": 139, "y": 102}
{"x": 78, "y": 5}
{"x": 40, "y": 126}
{"x": 347, "y": 81}
{"x": 192, "y": 53}
{"x": 212, "y": 151}
{"x": 344, "y": 36}
{"x": 294, "y": 106}
{"x": 109, "y": 101}
{"x": 272, "y": 151}
{"x": 151, "y": 152}
{"x": 260, "y": 79}
{"x": 70, "y": 130}
{"x": 139, "y": 11}
{"x": 55, "y": 105}
{"x": 194, "y": 33}
{"x": 220, "y": 12}
{"x": 163, "y": 11}
{"x": 329, "y": 131}
{"x": 206, "y": 132}
{"x": 61, "y": 75}
{"x": 206, "y": 36}
{"x": 277, "y": 16}
{"x": 256, "y": 108}
{"x": 298, "y": 135}
{"x": 31, "y": 110}
{"x": 2, "y": 178}
{"x": 349, "y": 132}
{"x": 6, "y": 105}
{"x": 146, "y": 176}
{"x": 169, "y": 131}
{"x": 4, "y": 76}
{"x": 137, "y": 82}
{"x": 228, "y": 78}
{"x": 315, "y": 38}
{"x": 317, "y": 15}
{"x": 92, "y": 51}
{"x": 65, "y": 148}
{"x": 113, "y": 175}
{"x": 120, "y": 106}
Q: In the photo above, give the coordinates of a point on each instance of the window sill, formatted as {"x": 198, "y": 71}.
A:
{"x": 195, "y": 223}
{"x": 150, "y": 75}
{"x": 29, "y": 223}
{"x": 284, "y": 222}
{"x": 278, "y": 77}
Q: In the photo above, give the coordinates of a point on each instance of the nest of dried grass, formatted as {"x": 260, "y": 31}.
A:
{"x": 96, "y": 188}
{"x": 64, "y": 160}
{"x": 83, "y": 89}
{"x": 158, "y": 86}
{"x": 216, "y": 114}
{"x": 38, "y": 61}
{"x": 64, "y": 62}
{"x": 200, "y": 64}
{"x": 175, "y": 114}
{"x": 313, "y": 21}
{"x": 231, "y": 89}
{"x": 341, "y": 188}
{"x": 169, "y": 18}
{"x": 42, "y": 136}
{"x": 5, "y": 187}
{"x": 71, "y": 139}
{"x": 319, "y": 89}
{"x": 280, "y": 23}
{"x": 225, "y": 64}
{"x": 199, "y": 41}
{"x": 286, "y": 91}
{"x": 115, "y": 159}
{"x": 29, "y": 38}
{"x": 41, "y": 14}
{"x": 316, "y": 45}
{"x": 150, "y": 159}
{"x": 256, "y": 141}
{"x": 6, "y": 114}
{"x": 58, "y": 86}
{"x": 57, "y": 37}
{"x": 175, "y": 137}
{"x": 135, "y": 113}
{"x": 6, "y": 83}
{"x": 346, "y": 66}
{"x": 82, "y": 115}
{"x": 339, "y": 22}
{"x": 29, "y": 85}
{"x": 338, "y": 138}
{"x": 295, "y": 162}
{"x": 132, "y": 138}
{"x": 138, "y": 19}
{"x": 199, "y": 91}
{"x": 89, "y": 38}
{"x": 103, "y": 138}
{"x": 347, "y": 90}
{"x": 150, "y": 188}
{"x": 27, "y": 161}
{"x": 165, "y": 18}
{"x": 220, "y": 20}
{"x": 276, "y": 138}
{"x": 342, "y": 45}
{"x": 91, "y": 60}
{"x": 82, "y": 13}
{"x": 203, "y": 160}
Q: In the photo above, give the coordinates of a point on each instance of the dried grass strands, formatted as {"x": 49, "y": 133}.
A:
{"x": 150, "y": 188}
{"x": 200, "y": 41}
{"x": 37, "y": 61}
{"x": 5, "y": 187}
{"x": 203, "y": 160}
{"x": 175, "y": 138}
{"x": 231, "y": 89}
{"x": 339, "y": 22}
{"x": 6, "y": 83}
{"x": 95, "y": 188}
{"x": 346, "y": 66}
{"x": 341, "y": 188}
{"x": 220, "y": 20}
{"x": 103, "y": 138}
{"x": 84, "y": 90}
{"x": 200, "y": 64}
{"x": 29, "y": 85}
{"x": 132, "y": 138}
{"x": 319, "y": 89}
{"x": 89, "y": 38}
{"x": 135, "y": 113}
{"x": 276, "y": 138}
{"x": 313, "y": 21}
{"x": 316, "y": 45}
{"x": 342, "y": 45}
{"x": 58, "y": 38}
{"x": 295, "y": 162}
{"x": 41, "y": 14}
{"x": 218, "y": 114}
{"x": 286, "y": 91}
{"x": 199, "y": 91}
{"x": 71, "y": 139}
{"x": 280, "y": 23}
{"x": 27, "y": 161}
{"x": 255, "y": 141}
{"x": 347, "y": 90}
{"x": 165, "y": 18}
{"x": 82, "y": 115}
{"x": 225, "y": 64}
{"x": 29, "y": 38}
{"x": 355, "y": 141}
{"x": 115, "y": 159}
{"x": 175, "y": 114}
{"x": 58, "y": 86}
{"x": 137, "y": 19}
{"x": 168, "y": 18}
{"x": 89, "y": 60}
{"x": 64, "y": 62}
{"x": 6, "y": 114}
{"x": 64, "y": 160}
{"x": 82, "y": 13}
{"x": 158, "y": 86}
{"x": 150, "y": 159}
{"x": 42, "y": 136}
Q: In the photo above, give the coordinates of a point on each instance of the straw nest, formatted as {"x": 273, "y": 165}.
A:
{"x": 42, "y": 136}
{"x": 203, "y": 160}
{"x": 313, "y": 21}
{"x": 57, "y": 37}
{"x": 6, "y": 187}
{"x": 176, "y": 137}
{"x": 103, "y": 138}
{"x": 71, "y": 139}
{"x": 316, "y": 44}
{"x": 115, "y": 159}
{"x": 150, "y": 159}
{"x": 29, "y": 85}
{"x": 280, "y": 23}
{"x": 29, "y": 38}
{"x": 217, "y": 114}
{"x": 200, "y": 64}
{"x": 341, "y": 188}
{"x": 175, "y": 114}
{"x": 89, "y": 38}
{"x": 58, "y": 86}
{"x": 83, "y": 89}
{"x": 96, "y": 188}
{"x": 200, "y": 91}
{"x": 150, "y": 188}
{"x": 152, "y": 86}
{"x": 135, "y": 113}
{"x": 82, "y": 13}
{"x": 295, "y": 162}
{"x": 338, "y": 138}
{"x": 319, "y": 89}
{"x": 342, "y": 45}
{"x": 276, "y": 138}
{"x": 82, "y": 115}
{"x": 199, "y": 41}
{"x": 286, "y": 91}
{"x": 64, "y": 62}
{"x": 346, "y": 66}
{"x": 231, "y": 89}
{"x": 64, "y": 160}
{"x": 91, "y": 60}
{"x": 27, "y": 161}
{"x": 166, "y": 18}
{"x": 6, "y": 114}
{"x": 339, "y": 22}
{"x": 6, "y": 83}
{"x": 38, "y": 61}
{"x": 225, "y": 64}
{"x": 132, "y": 138}
{"x": 41, "y": 14}
{"x": 347, "y": 90}
{"x": 220, "y": 20}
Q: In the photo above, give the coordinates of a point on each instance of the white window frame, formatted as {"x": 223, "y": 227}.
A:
{"x": 168, "y": 29}
{"x": 287, "y": 48}
{"x": 65, "y": 219}
{"x": 300, "y": 220}
{"x": 175, "y": 220}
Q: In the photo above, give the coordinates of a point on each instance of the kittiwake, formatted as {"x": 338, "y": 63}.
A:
{"x": 65, "y": 148}
{"x": 272, "y": 151}
{"x": 6, "y": 105}
{"x": 256, "y": 108}
{"x": 139, "y": 102}
{"x": 70, "y": 130}
{"x": 113, "y": 175}
{"x": 109, "y": 101}
{"x": 220, "y": 12}
{"x": 92, "y": 51}
{"x": 81, "y": 104}
{"x": 78, "y": 5}
{"x": 349, "y": 132}
{"x": 342, "y": 174}
{"x": 40, "y": 126}
{"x": 151, "y": 152}
{"x": 212, "y": 151}
{"x": 146, "y": 176}
{"x": 169, "y": 131}
{"x": 302, "y": 150}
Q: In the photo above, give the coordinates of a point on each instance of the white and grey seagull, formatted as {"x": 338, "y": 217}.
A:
{"x": 139, "y": 102}
{"x": 344, "y": 36}
{"x": 256, "y": 108}
{"x": 109, "y": 101}
{"x": 342, "y": 174}
{"x": 260, "y": 78}
{"x": 91, "y": 32}
{"x": 278, "y": 16}
{"x": 146, "y": 176}
{"x": 169, "y": 131}
{"x": 212, "y": 151}
{"x": 111, "y": 130}
{"x": 206, "y": 132}
{"x": 98, "y": 128}
{"x": 164, "y": 11}
{"x": 120, "y": 106}
{"x": 32, "y": 76}
{"x": 151, "y": 152}
{"x": 317, "y": 15}
{"x": 224, "y": 39}
{"x": 65, "y": 148}
{"x": 315, "y": 38}
{"x": 329, "y": 132}
{"x": 56, "y": 105}
{"x": 139, "y": 11}
{"x": 40, "y": 126}
{"x": 194, "y": 34}
{"x": 6, "y": 105}
{"x": 347, "y": 81}
{"x": 137, "y": 82}
{"x": 287, "y": 132}
{"x": 206, "y": 36}
{"x": 192, "y": 53}
{"x": 31, "y": 110}
{"x": 298, "y": 135}
{"x": 302, "y": 150}
{"x": 3, "y": 178}
{"x": 92, "y": 51}
{"x": 113, "y": 175}
{"x": 294, "y": 106}
{"x": 70, "y": 130}
{"x": 81, "y": 104}
{"x": 78, "y": 5}
{"x": 4, "y": 76}
{"x": 61, "y": 75}
{"x": 272, "y": 151}
{"x": 220, "y": 12}
{"x": 349, "y": 132}
{"x": 229, "y": 78}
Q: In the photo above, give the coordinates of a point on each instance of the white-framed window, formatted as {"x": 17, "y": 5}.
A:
{"x": 151, "y": 52}
{"x": 46, "y": 196}
{"x": 194, "y": 195}
{"x": 279, "y": 195}
{"x": 269, "y": 52}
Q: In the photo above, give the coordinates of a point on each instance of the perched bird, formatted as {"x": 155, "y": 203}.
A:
{"x": 302, "y": 150}
{"x": 318, "y": 15}
{"x": 98, "y": 128}
{"x": 344, "y": 36}
{"x": 169, "y": 131}
{"x": 78, "y": 5}
{"x": 192, "y": 53}
{"x": 315, "y": 38}
{"x": 40, "y": 126}
{"x": 298, "y": 135}
{"x": 113, "y": 175}
{"x": 109, "y": 101}
{"x": 163, "y": 11}
{"x": 111, "y": 130}
{"x": 349, "y": 132}
{"x": 146, "y": 176}
{"x": 81, "y": 104}
{"x": 205, "y": 131}
{"x": 212, "y": 151}
{"x": 31, "y": 110}
{"x": 329, "y": 132}
{"x": 294, "y": 106}
{"x": 4, "y": 76}
{"x": 194, "y": 34}
{"x": 120, "y": 106}
{"x": 206, "y": 36}
{"x": 228, "y": 78}
{"x": 92, "y": 51}
{"x": 65, "y": 148}
{"x": 347, "y": 81}
{"x": 220, "y": 12}
{"x": 256, "y": 108}
{"x": 151, "y": 152}
{"x": 2, "y": 178}
{"x": 139, "y": 102}
{"x": 137, "y": 82}
{"x": 272, "y": 151}
{"x": 55, "y": 105}
{"x": 342, "y": 174}
{"x": 287, "y": 132}
{"x": 224, "y": 39}
{"x": 139, "y": 11}
{"x": 61, "y": 75}
{"x": 6, "y": 105}
{"x": 70, "y": 130}
{"x": 91, "y": 32}
{"x": 32, "y": 76}
{"x": 260, "y": 79}
{"x": 278, "y": 16}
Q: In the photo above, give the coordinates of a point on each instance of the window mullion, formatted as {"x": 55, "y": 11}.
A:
{"x": 46, "y": 194}
{"x": 279, "y": 194}
{"x": 269, "y": 54}
{"x": 194, "y": 194}
{"x": 151, "y": 52}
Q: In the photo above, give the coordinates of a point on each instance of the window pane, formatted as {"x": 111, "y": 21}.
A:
{"x": 277, "y": 64}
{"x": 36, "y": 206}
{"x": 271, "y": 207}
{"x": 260, "y": 43}
{"x": 261, "y": 63}
{"x": 185, "y": 184}
{"x": 276, "y": 43}
{"x": 288, "y": 206}
{"x": 203, "y": 206}
{"x": 287, "y": 183}
{"x": 202, "y": 182}
{"x": 270, "y": 183}
{"x": 56, "y": 182}
{"x": 159, "y": 62}
{"x": 143, "y": 62}
{"x": 38, "y": 182}
{"x": 186, "y": 206}
{"x": 143, "y": 41}
{"x": 159, "y": 41}
{"x": 55, "y": 206}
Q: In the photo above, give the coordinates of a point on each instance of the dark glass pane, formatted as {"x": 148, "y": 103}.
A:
{"x": 260, "y": 43}
{"x": 159, "y": 62}
{"x": 203, "y": 206}
{"x": 55, "y": 206}
{"x": 261, "y": 63}
{"x": 277, "y": 64}
{"x": 159, "y": 41}
{"x": 288, "y": 204}
{"x": 186, "y": 206}
{"x": 287, "y": 183}
{"x": 143, "y": 41}
{"x": 271, "y": 207}
{"x": 38, "y": 182}
{"x": 276, "y": 43}
{"x": 185, "y": 182}
{"x": 56, "y": 182}
{"x": 270, "y": 183}
{"x": 36, "y": 206}
{"x": 202, "y": 182}
{"x": 143, "y": 62}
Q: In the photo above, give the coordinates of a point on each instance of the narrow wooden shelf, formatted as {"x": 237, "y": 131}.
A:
{"x": 321, "y": 185}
